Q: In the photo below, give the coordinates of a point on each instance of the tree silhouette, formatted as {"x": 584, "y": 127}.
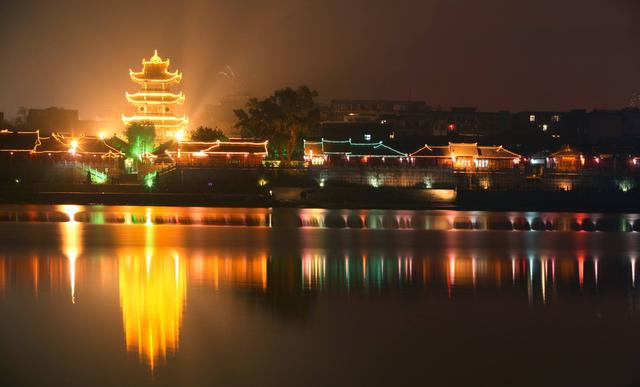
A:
{"x": 283, "y": 118}
{"x": 206, "y": 134}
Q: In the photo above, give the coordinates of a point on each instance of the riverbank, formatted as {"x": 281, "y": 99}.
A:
{"x": 338, "y": 197}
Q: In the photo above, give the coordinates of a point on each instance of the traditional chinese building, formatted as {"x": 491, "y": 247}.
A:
{"x": 466, "y": 156}
{"x": 18, "y": 144}
{"x": 567, "y": 159}
{"x": 217, "y": 153}
{"x": 88, "y": 149}
{"x": 347, "y": 152}
{"x": 155, "y": 103}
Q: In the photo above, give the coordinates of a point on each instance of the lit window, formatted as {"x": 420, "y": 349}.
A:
{"x": 545, "y": 127}
{"x": 555, "y": 118}
{"x": 367, "y": 137}
{"x": 532, "y": 118}
{"x": 392, "y": 135}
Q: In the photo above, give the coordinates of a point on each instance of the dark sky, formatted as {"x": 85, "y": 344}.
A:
{"x": 493, "y": 54}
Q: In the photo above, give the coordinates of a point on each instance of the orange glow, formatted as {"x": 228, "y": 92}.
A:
{"x": 3, "y": 274}
{"x": 581, "y": 271}
{"x": 249, "y": 272}
{"x": 71, "y": 244}
{"x": 155, "y": 102}
{"x": 152, "y": 298}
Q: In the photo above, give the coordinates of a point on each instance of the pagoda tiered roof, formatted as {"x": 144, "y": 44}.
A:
{"x": 155, "y": 70}
{"x": 155, "y": 97}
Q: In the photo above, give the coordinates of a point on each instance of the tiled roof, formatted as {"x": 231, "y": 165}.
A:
{"x": 566, "y": 151}
{"x": 52, "y": 144}
{"x": 220, "y": 147}
{"x": 57, "y": 143}
{"x": 465, "y": 150}
{"x": 348, "y": 148}
{"x": 496, "y": 152}
{"x": 18, "y": 141}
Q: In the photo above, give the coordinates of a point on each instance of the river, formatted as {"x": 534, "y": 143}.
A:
{"x": 116, "y": 295}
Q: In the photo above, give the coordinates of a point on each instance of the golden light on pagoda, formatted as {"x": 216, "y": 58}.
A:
{"x": 152, "y": 299}
{"x": 155, "y": 102}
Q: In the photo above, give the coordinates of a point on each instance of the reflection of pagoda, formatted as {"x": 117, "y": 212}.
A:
{"x": 152, "y": 298}
{"x": 155, "y": 102}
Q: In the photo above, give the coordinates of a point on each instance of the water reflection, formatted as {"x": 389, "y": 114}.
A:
{"x": 152, "y": 286}
{"x": 71, "y": 244}
{"x": 153, "y": 293}
{"x": 163, "y": 288}
{"x": 435, "y": 220}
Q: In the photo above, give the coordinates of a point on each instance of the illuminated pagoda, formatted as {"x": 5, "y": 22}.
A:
{"x": 155, "y": 103}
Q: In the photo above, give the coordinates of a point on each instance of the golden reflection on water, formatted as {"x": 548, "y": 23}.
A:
{"x": 71, "y": 243}
{"x": 151, "y": 280}
{"x": 228, "y": 271}
{"x": 153, "y": 292}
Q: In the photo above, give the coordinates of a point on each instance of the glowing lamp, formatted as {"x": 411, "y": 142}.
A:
{"x": 596, "y": 159}
{"x": 102, "y": 135}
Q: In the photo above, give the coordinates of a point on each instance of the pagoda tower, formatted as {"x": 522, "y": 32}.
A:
{"x": 155, "y": 103}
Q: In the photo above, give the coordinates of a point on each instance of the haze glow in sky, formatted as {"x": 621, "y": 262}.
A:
{"x": 493, "y": 54}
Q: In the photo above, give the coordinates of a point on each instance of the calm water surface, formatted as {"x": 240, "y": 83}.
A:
{"x": 93, "y": 296}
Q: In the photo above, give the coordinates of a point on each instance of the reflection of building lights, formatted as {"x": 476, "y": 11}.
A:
{"x": 71, "y": 244}
{"x": 152, "y": 298}
{"x": 581, "y": 271}
{"x": 249, "y": 272}
{"x": 314, "y": 269}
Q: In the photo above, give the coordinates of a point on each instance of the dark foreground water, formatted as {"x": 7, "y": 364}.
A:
{"x": 93, "y": 296}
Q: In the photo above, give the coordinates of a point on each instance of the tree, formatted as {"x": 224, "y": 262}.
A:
{"x": 206, "y": 134}
{"x": 20, "y": 122}
{"x": 141, "y": 137}
{"x": 283, "y": 118}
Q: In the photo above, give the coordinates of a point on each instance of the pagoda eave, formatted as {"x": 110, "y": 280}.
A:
{"x": 155, "y": 98}
{"x": 167, "y": 78}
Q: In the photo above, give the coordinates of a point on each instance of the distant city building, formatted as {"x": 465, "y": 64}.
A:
{"x": 52, "y": 119}
{"x": 407, "y": 119}
{"x": 363, "y": 110}
{"x": 155, "y": 102}
{"x": 372, "y": 131}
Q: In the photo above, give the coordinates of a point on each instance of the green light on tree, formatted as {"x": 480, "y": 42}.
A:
{"x": 150, "y": 179}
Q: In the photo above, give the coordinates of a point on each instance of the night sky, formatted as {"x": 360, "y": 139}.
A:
{"x": 493, "y": 54}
